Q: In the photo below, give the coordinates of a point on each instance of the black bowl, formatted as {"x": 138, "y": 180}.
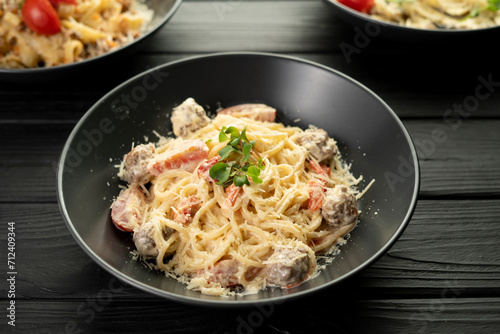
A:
{"x": 163, "y": 11}
{"x": 369, "y": 134}
{"x": 374, "y": 28}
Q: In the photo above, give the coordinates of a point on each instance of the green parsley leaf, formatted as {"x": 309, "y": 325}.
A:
{"x": 493, "y": 5}
{"x": 254, "y": 173}
{"x": 235, "y": 142}
{"x": 260, "y": 164}
{"x": 244, "y": 135}
{"x": 240, "y": 180}
{"x": 236, "y": 164}
{"x": 222, "y": 135}
{"x": 252, "y": 170}
{"x": 233, "y": 132}
{"x": 220, "y": 172}
{"x": 226, "y": 151}
{"x": 246, "y": 148}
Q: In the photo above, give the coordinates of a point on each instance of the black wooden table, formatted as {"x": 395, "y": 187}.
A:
{"x": 442, "y": 275}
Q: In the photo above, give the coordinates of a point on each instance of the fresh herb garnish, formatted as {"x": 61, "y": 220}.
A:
{"x": 493, "y": 6}
{"x": 236, "y": 164}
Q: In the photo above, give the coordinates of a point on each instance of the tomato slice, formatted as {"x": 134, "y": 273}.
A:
{"x": 363, "y": 6}
{"x": 186, "y": 156}
{"x": 41, "y": 17}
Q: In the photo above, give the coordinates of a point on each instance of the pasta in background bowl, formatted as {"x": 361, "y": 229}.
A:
{"x": 83, "y": 32}
{"x": 438, "y": 14}
{"x": 422, "y": 20}
{"x": 370, "y": 136}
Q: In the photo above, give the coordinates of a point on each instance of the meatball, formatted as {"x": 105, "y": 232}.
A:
{"x": 287, "y": 267}
{"x": 136, "y": 162}
{"x": 339, "y": 207}
{"x": 225, "y": 273}
{"x": 144, "y": 238}
{"x": 317, "y": 142}
{"x": 255, "y": 111}
{"x": 188, "y": 118}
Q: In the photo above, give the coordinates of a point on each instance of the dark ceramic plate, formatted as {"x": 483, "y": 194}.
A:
{"x": 374, "y": 28}
{"x": 368, "y": 132}
{"x": 163, "y": 11}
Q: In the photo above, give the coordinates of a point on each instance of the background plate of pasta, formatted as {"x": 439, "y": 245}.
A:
{"x": 42, "y": 37}
{"x": 422, "y": 20}
{"x": 261, "y": 178}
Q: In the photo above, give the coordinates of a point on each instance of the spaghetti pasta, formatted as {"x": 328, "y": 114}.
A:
{"x": 223, "y": 239}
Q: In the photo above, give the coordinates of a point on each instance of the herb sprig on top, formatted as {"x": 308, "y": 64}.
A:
{"x": 236, "y": 164}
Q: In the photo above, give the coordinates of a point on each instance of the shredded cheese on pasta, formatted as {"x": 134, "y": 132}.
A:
{"x": 263, "y": 218}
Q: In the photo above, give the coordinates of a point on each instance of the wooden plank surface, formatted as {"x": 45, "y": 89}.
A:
{"x": 436, "y": 315}
{"x": 302, "y": 26}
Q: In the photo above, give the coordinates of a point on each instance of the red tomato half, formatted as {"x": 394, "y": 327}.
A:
{"x": 41, "y": 17}
{"x": 363, "y": 6}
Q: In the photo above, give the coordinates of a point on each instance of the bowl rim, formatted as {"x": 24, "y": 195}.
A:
{"x": 391, "y": 25}
{"x": 10, "y": 72}
{"x": 229, "y": 302}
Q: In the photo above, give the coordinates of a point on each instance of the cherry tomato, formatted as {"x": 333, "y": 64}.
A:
{"x": 41, "y": 17}
{"x": 363, "y": 6}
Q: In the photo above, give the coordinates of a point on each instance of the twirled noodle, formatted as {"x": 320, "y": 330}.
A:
{"x": 72, "y": 49}
{"x": 263, "y": 219}
{"x": 437, "y": 14}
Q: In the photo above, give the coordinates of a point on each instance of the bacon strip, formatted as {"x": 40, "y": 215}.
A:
{"x": 185, "y": 155}
{"x": 204, "y": 169}
{"x": 232, "y": 193}
{"x": 317, "y": 187}
{"x": 186, "y": 209}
